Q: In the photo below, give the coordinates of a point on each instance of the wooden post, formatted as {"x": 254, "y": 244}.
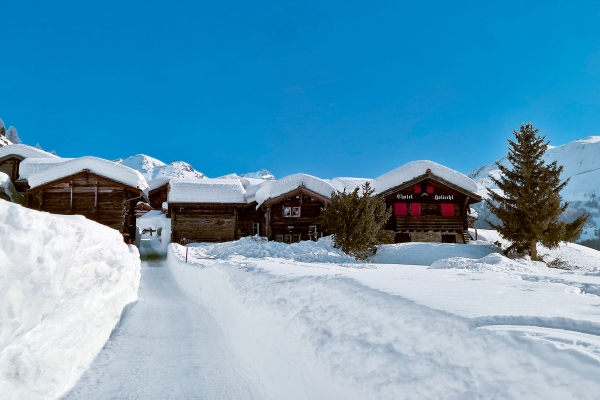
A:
{"x": 268, "y": 223}
{"x": 96, "y": 197}
{"x": 71, "y": 186}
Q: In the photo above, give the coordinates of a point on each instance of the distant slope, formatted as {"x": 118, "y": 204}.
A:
{"x": 581, "y": 162}
{"x": 152, "y": 168}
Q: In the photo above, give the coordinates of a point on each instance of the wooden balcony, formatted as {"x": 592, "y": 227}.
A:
{"x": 429, "y": 223}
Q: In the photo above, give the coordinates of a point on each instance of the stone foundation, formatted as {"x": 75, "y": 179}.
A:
{"x": 433, "y": 237}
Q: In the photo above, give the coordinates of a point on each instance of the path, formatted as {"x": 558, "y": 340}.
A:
{"x": 166, "y": 347}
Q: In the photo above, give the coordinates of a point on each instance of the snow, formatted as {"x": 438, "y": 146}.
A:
{"x": 415, "y": 253}
{"x": 24, "y": 151}
{"x": 154, "y": 243}
{"x": 262, "y": 175}
{"x": 206, "y": 191}
{"x": 415, "y": 169}
{"x": 64, "y": 281}
{"x": 269, "y": 190}
{"x": 152, "y": 168}
{"x": 349, "y": 184}
{"x": 158, "y": 182}
{"x": 31, "y": 166}
{"x": 105, "y": 168}
{"x": 318, "y": 328}
{"x": 4, "y": 141}
{"x": 7, "y": 188}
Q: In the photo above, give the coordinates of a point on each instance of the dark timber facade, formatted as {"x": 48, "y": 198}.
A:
{"x": 204, "y": 222}
{"x": 98, "y": 198}
{"x": 429, "y": 209}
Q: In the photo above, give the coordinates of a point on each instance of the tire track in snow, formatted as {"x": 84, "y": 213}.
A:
{"x": 166, "y": 346}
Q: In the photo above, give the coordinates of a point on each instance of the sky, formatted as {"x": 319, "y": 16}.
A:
{"x": 336, "y": 88}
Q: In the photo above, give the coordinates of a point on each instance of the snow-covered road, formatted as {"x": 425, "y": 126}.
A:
{"x": 166, "y": 347}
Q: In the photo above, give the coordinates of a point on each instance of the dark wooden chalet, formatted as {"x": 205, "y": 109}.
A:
{"x": 432, "y": 205}
{"x": 291, "y": 207}
{"x": 205, "y": 210}
{"x": 12, "y": 155}
{"x": 157, "y": 192}
{"x": 98, "y": 189}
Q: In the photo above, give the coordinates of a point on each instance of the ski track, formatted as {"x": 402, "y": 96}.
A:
{"x": 166, "y": 346}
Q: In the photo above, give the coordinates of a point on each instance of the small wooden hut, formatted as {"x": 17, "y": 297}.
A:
{"x": 157, "y": 192}
{"x": 204, "y": 210}
{"x": 100, "y": 190}
{"x": 430, "y": 202}
{"x": 291, "y": 207}
{"x": 12, "y": 155}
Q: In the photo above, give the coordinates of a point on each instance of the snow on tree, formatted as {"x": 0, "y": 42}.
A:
{"x": 13, "y": 135}
{"x": 2, "y": 128}
{"x": 355, "y": 220}
{"x": 37, "y": 146}
{"x": 530, "y": 205}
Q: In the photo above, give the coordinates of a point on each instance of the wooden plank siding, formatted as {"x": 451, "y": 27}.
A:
{"x": 203, "y": 222}
{"x": 158, "y": 196}
{"x": 310, "y": 205}
{"x": 95, "y": 197}
{"x": 10, "y": 166}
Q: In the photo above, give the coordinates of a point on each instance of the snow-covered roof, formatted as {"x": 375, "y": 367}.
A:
{"x": 30, "y": 166}
{"x": 158, "y": 182}
{"x": 99, "y": 166}
{"x": 24, "y": 151}
{"x": 349, "y": 184}
{"x": 185, "y": 190}
{"x": 414, "y": 169}
{"x": 272, "y": 189}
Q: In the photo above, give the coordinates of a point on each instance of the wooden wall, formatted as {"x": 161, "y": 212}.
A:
{"x": 310, "y": 210}
{"x": 201, "y": 222}
{"x": 247, "y": 217}
{"x": 96, "y": 198}
{"x": 157, "y": 197}
{"x": 10, "y": 166}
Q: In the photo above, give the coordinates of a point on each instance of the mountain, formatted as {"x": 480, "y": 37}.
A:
{"x": 260, "y": 174}
{"x": 581, "y": 161}
{"x": 152, "y": 168}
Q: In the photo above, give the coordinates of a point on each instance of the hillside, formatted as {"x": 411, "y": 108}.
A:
{"x": 581, "y": 162}
{"x": 152, "y": 168}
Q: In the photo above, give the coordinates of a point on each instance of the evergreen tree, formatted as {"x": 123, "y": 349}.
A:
{"x": 531, "y": 203}
{"x": 13, "y": 135}
{"x": 2, "y": 128}
{"x": 356, "y": 221}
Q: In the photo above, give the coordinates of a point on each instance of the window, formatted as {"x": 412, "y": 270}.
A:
{"x": 312, "y": 232}
{"x": 291, "y": 212}
{"x": 402, "y": 237}
{"x": 448, "y": 238}
{"x": 430, "y": 189}
{"x": 296, "y": 238}
{"x": 417, "y": 188}
{"x": 415, "y": 209}
{"x": 401, "y": 209}
{"x": 255, "y": 229}
{"x": 279, "y": 238}
{"x": 287, "y": 239}
{"x": 447, "y": 210}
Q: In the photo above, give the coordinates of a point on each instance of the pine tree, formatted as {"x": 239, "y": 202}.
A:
{"x": 2, "y": 128}
{"x": 356, "y": 221}
{"x": 13, "y": 135}
{"x": 531, "y": 203}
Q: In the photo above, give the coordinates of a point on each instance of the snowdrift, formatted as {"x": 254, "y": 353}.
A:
{"x": 64, "y": 281}
{"x": 309, "y": 331}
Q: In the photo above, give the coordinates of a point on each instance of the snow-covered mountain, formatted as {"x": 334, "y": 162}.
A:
{"x": 260, "y": 174}
{"x": 152, "y": 168}
{"x": 581, "y": 161}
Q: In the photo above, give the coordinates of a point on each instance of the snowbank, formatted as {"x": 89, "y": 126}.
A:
{"x": 270, "y": 190}
{"x": 150, "y": 242}
{"x": 256, "y": 247}
{"x": 309, "y": 332}
{"x": 415, "y": 169}
{"x": 494, "y": 262}
{"x": 64, "y": 281}
{"x": 185, "y": 190}
{"x": 427, "y": 253}
{"x": 108, "y": 169}
{"x": 8, "y": 189}
{"x": 24, "y": 151}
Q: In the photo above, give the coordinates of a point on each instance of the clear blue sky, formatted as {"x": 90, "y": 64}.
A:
{"x": 327, "y": 88}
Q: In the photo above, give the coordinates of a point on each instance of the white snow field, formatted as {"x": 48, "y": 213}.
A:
{"x": 306, "y": 322}
{"x": 64, "y": 281}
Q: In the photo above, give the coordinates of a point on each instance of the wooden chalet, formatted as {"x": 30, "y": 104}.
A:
{"x": 430, "y": 203}
{"x": 205, "y": 210}
{"x": 100, "y": 190}
{"x": 290, "y": 207}
{"x": 157, "y": 192}
{"x": 11, "y": 157}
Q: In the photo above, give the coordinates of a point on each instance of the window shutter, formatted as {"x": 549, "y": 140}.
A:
{"x": 430, "y": 189}
{"x": 400, "y": 209}
{"x": 447, "y": 210}
{"x": 417, "y": 188}
{"x": 415, "y": 209}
